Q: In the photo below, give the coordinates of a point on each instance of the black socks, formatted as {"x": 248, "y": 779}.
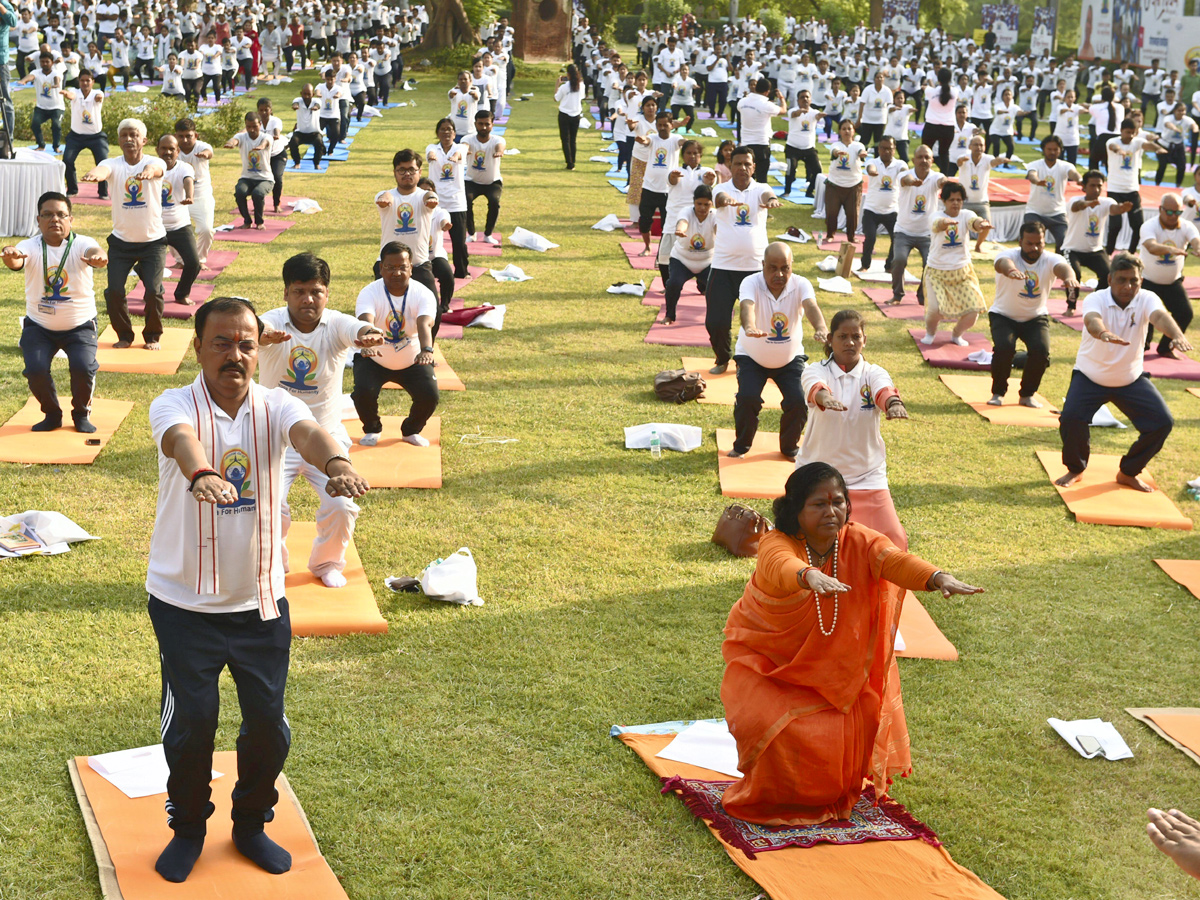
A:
{"x": 47, "y": 424}
{"x": 176, "y": 861}
{"x": 84, "y": 425}
{"x": 263, "y": 852}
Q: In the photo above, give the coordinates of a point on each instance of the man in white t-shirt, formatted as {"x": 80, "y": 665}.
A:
{"x": 303, "y": 351}
{"x": 1125, "y": 179}
{"x": 755, "y": 112}
{"x": 86, "y": 132}
{"x": 138, "y": 240}
{"x": 1166, "y": 241}
{"x": 405, "y": 310}
{"x": 484, "y": 152}
{"x": 1084, "y": 242}
{"x": 770, "y": 345}
{"x": 216, "y": 578}
{"x": 880, "y": 204}
{"x": 256, "y": 178}
{"x": 405, "y": 213}
{"x": 197, "y": 154}
{"x": 916, "y": 203}
{"x": 60, "y": 310}
{"x": 1108, "y": 368}
{"x": 1024, "y": 277}
{"x": 1047, "y": 198}
{"x": 48, "y": 100}
{"x": 178, "y": 193}
{"x": 740, "y": 207}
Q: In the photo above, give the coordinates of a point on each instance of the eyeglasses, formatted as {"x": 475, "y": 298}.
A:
{"x": 1172, "y": 212}
{"x": 58, "y": 216}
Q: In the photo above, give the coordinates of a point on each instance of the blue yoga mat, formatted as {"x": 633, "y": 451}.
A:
{"x": 619, "y": 185}
{"x": 307, "y": 168}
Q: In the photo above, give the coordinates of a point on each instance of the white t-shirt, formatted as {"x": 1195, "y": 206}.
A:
{"x": 177, "y": 524}
{"x": 664, "y": 157}
{"x": 846, "y": 170}
{"x": 1025, "y": 300}
{"x": 274, "y": 127}
{"x": 172, "y": 80}
{"x": 437, "y": 234}
{"x": 1049, "y": 199}
{"x": 86, "y": 112}
{"x": 875, "y": 104}
{"x": 1067, "y": 126}
{"x": 405, "y": 219}
{"x": 850, "y": 440}
{"x": 1165, "y": 269}
{"x": 756, "y": 112}
{"x": 696, "y": 250}
{"x": 782, "y": 318}
{"x": 1191, "y": 213}
{"x": 1116, "y": 365}
{"x": 1125, "y": 164}
{"x": 310, "y": 365}
{"x": 937, "y": 113}
{"x": 71, "y": 300}
{"x": 462, "y": 110}
{"x": 398, "y": 319}
{"x": 48, "y": 90}
{"x": 256, "y": 156}
{"x": 741, "y": 226}
{"x": 681, "y": 196}
{"x": 483, "y": 163}
{"x": 950, "y": 250}
{"x": 191, "y": 61}
{"x": 446, "y": 172}
{"x": 897, "y": 122}
{"x": 137, "y": 205}
{"x": 917, "y": 203}
{"x": 305, "y": 118}
{"x": 802, "y": 128}
{"x": 1086, "y": 228}
{"x": 569, "y": 101}
{"x": 174, "y": 215}
{"x": 201, "y": 185}
{"x": 975, "y": 177}
{"x": 883, "y": 186}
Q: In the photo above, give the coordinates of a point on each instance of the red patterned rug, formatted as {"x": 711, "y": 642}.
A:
{"x": 887, "y": 821}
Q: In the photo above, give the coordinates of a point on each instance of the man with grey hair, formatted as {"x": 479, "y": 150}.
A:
{"x": 1166, "y": 241}
{"x": 138, "y": 241}
{"x": 1108, "y": 368}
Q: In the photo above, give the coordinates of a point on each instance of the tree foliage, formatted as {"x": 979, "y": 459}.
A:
{"x": 659, "y": 12}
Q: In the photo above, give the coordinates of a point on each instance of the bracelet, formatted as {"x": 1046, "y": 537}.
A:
{"x": 426, "y": 349}
{"x": 933, "y": 578}
{"x": 200, "y": 473}
{"x": 803, "y": 579}
{"x": 332, "y": 458}
{"x": 895, "y": 398}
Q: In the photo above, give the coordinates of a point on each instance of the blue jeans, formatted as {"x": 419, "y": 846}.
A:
{"x": 38, "y": 345}
{"x": 752, "y": 378}
{"x": 1140, "y": 401}
{"x": 42, "y": 116}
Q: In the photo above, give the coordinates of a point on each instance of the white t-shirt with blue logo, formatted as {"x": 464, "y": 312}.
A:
{"x": 406, "y": 220}
{"x": 741, "y": 227}
{"x": 1026, "y": 299}
{"x": 782, "y": 318}
{"x": 397, "y": 316}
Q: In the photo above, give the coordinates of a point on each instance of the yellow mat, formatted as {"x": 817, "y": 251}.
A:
{"x": 1098, "y": 500}
{"x": 392, "y": 463}
{"x": 1179, "y": 726}
{"x": 320, "y": 611}
{"x": 63, "y": 446}
{"x": 976, "y": 390}
{"x": 922, "y": 638}
{"x": 1195, "y": 392}
{"x": 760, "y": 474}
{"x": 722, "y": 388}
{"x": 447, "y": 378}
{"x": 176, "y": 342}
{"x": 127, "y": 836}
{"x": 897, "y": 870}
{"x": 1184, "y": 571}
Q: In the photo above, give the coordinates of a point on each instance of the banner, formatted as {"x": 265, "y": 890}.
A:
{"x": 1162, "y": 25}
{"x": 1045, "y": 20}
{"x": 1126, "y": 30}
{"x": 1095, "y": 29}
{"x": 1002, "y": 21}
{"x": 901, "y": 15}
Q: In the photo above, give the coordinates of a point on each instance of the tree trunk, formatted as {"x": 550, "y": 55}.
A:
{"x": 448, "y": 27}
{"x": 876, "y": 13}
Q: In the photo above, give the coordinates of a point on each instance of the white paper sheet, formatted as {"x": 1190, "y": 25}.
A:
{"x": 1112, "y": 745}
{"x": 835, "y": 285}
{"x": 828, "y": 264}
{"x": 683, "y": 438}
{"x": 705, "y": 744}
{"x": 900, "y": 645}
{"x": 139, "y": 772}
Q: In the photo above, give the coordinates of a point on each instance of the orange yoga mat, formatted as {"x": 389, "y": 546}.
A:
{"x": 320, "y": 611}
{"x": 1195, "y": 392}
{"x": 392, "y": 463}
{"x": 1184, "y": 571}
{"x": 1098, "y": 500}
{"x": 720, "y": 389}
{"x": 975, "y": 391}
{"x": 64, "y": 446}
{"x": 922, "y": 637}
{"x": 1178, "y": 726}
{"x": 447, "y": 378}
{"x": 176, "y": 343}
{"x": 127, "y": 836}
{"x": 898, "y": 870}
{"x": 760, "y": 474}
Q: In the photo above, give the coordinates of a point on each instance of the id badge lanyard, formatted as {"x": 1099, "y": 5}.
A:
{"x": 52, "y": 282}
{"x": 400, "y": 316}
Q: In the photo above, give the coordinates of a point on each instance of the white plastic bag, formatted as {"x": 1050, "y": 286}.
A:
{"x": 608, "y": 223}
{"x": 828, "y": 264}
{"x": 835, "y": 285}
{"x": 683, "y": 438}
{"x": 509, "y": 273}
{"x": 453, "y": 579}
{"x": 530, "y": 240}
{"x": 493, "y": 319}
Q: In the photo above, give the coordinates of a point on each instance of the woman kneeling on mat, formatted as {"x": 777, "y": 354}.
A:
{"x": 951, "y": 285}
{"x": 847, "y": 398}
{"x": 811, "y": 690}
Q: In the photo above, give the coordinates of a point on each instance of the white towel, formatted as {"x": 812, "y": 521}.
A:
{"x": 835, "y": 285}
{"x": 530, "y": 240}
{"x": 608, "y": 223}
{"x": 683, "y": 438}
{"x": 509, "y": 273}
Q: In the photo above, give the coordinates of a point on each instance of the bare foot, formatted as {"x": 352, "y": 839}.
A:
{"x": 996, "y": 400}
{"x": 1030, "y": 402}
{"x": 1178, "y": 836}
{"x": 186, "y": 301}
{"x": 245, "y": 225}
{"x": 1069, "y": 479}
{"x": 646, "y": 252}
{"x": 260, "y": 227}
{"x": 1134, "y": 482}
{"x": 122, "y": 345}
{"x": 152, "y": 345}
{"x": 668, "y": 321}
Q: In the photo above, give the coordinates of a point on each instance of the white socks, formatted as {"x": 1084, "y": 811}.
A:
{"x": 333, "y": 579}
{"x": 368, "y": 440}
{"x": 416, "y": 440}
{"x": 928, "y": 339}
{"x": 962, "y": 342}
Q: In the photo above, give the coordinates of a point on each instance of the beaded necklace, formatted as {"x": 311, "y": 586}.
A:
{"x": 817, "y": 597}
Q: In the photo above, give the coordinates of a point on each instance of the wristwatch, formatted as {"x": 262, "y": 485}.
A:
{"x": 426, "y": 349}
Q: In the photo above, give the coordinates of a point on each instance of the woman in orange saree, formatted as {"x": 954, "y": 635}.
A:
{"x": 811, "y": 689}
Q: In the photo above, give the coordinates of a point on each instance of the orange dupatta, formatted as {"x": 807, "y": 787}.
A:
{"x": 815, "y": 715}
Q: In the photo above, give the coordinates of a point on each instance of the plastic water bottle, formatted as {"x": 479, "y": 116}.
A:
{"x": 1193, "y": 493}
{"x": 655, "y": 443}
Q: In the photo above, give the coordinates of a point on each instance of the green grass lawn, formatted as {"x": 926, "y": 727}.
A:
{"x": 466, "y": 754}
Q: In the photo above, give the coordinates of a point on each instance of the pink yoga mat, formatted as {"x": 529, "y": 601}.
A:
{"x": 477, "y": 248}
{"x": 1057, "y": 306}
{"x": 218, "y": 262}
{"x": 201, "y": 292}
{"x": 1184, "y": 368}
{"x": 656, "y": 296}
{"x": 89, "y": 195}
{"x": 284, "y": 208}
{"x": 688, "y": 330}
{"x": 451, "y": 332}
{"x": 642, "y": 263}
{"x": 272, "y": 228}
{"x": 945, "y": 354}
{"x": 836, "y": 244}
{"x": 909, "y": 309}
{"x": 473, "y": 272}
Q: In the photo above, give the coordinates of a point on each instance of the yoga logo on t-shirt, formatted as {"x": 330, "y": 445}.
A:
{"x": 844, "y": 161}
{"x": 885, "y": 183}
{"x": 404, "y": 219}
{"x": 919, "y": 205}
{"x": 254, "y": 160}
{"x": 741, "y": 215}
{"x": 974, "y": 182}
{"x": 56, "y": 287}
{"x": 168, "y": 195}
{"x": 462, "y": 109}
{"x": 864, "y": 394}
{"x": 302, "y": 369}
{"x": 660, "y": 158}
{"x": 952, "y": 238}
{"x": 86, "y": 117}
{"x": 235, "y": 468}
{"x": 393, "y": 330}
{"x": 1032, "y": 288}
{"x": 133, "y": 194}
{"x": 805, "y": 125}
{"x": 779, "y": 329}
{"x": 477, "y": 158}
{"x": 1093, "y": 228}
{"x": 697, "y": 242}
{"x": 48, "y": 90}
{"x": 1167, "y": 259}
{"x": 1051, "y": 183}
{"x": 1127, "y": 162}
{"x": 447, "y": 171}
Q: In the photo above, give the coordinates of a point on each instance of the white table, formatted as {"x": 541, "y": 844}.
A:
{"x": 22, "y": 181}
